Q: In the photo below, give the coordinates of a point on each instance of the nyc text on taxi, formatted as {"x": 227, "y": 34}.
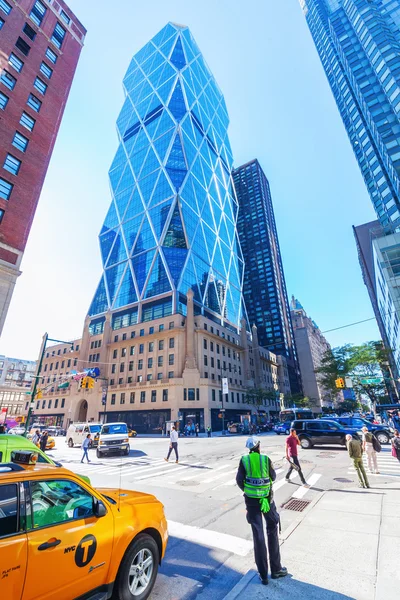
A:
{"x": 62, "y": 539}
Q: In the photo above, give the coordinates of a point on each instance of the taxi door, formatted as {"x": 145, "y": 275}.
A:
{"x": 69, "y": 548}
{"x": 13, "y": 542}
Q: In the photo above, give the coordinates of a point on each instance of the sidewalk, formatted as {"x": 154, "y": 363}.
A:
{"x": 344, "y": 547}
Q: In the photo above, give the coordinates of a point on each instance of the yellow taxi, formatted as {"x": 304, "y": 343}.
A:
{"x": 61, "y": 539}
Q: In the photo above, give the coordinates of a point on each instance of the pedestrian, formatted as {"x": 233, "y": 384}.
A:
{"x": 173, "y": 444}
{"x": 43, "y": 441}
{"x": 368, "y": 447}
{"x": 355, "y": 450}
{"x": 87, "y": 442}
{"x": 197, "y": 429}
{"x": 36, "y": 437}
{"x": 209, "y": 431}
{"x": 396, "y": 445}
{"x": 192, "y": 428}
{"x": 254, "y": 477}
{"x": 292, "y": 443}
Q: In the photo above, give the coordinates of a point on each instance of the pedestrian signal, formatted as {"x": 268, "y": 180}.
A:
{"x": 340, "y": 382}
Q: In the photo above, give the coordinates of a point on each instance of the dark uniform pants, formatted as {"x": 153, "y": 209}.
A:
{"x": 173, "y": 446}
{"x": 255, "y": 519}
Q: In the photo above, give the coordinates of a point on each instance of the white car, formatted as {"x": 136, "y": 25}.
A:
{"x": 17, "y": 430}
{"x": 77, "y": 432}
{"x": 113, "y": 438}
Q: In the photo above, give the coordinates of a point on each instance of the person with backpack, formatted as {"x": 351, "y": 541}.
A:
{"x": 396, "y": 445}
{"x": 370, "y": 445}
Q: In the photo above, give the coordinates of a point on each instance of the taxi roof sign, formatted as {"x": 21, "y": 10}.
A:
{"x": 24, "y": 457}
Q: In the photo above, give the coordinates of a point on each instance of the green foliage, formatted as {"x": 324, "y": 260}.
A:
{"x": 259, "y": 396}
{"x": 298, "y": 400}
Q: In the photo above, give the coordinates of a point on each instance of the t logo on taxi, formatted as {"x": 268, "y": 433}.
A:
{"x": 85, "y": 550}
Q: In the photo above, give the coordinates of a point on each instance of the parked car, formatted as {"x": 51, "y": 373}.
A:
{"x": 322, "y": 432}
{"x": 113, "y": 438}
{"x": 78, "y": 431}
{"x": 382, "y": 433}
{"x": 17, "y": 430}
{"x": 282, "y": 428}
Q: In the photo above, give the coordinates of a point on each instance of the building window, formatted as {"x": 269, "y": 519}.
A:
{"x": 15, "y": 62}
{"x": 120, "y": 381}
{"x": 141, "y": 333}
{"x": 151, "y": 346}
{"x": 56, "y": 403}
{"x": 161, "y": 344}
{"x": 113, "y": 396}
{"x": 142, "y": 397}
{"x": 170, "y": 374}
{"x": 191, "y": 393}
{"x": 149, "y": 363}
{"x": 5, "y": 7}
{"x": 133, "y": 333}
{"x": 151, "y": 330}
{"x": 3, "y": 101}
{"x": 132, "y": 398}
{"x": 40, "y": 85}
{"x": 45, "y": 69}
{"x": 140, "y": 364}
{"x": 49, "y": 403}
{"x": 205, "y": 360}
{"x": 171, "y": 325}
{"x": 123, "y": 337}
{"x": 132, "y": 350}
{"x": 161, "y": 328}
{"x": 1, "y": 23}
{"x": 123, "y": 352}
{"x": 131, "y": 365}
{"x": 153, "y": 395}
{"x": 12, "y": 164}
{"x": 58, "y": 35}
{"x": 172, "y": 342}
{"x": 37, "y": 13}
{"x": 51, "y": 55}
{"x": 22, "y": 45}
{"x": 63, "y": 403}
{"x": 139, "y": 378}
{"x": 205, "y": 344}
{"x": 141, "y": 348}
{"x": 27, "y": 121}
{"x": 34, "y": 102}
{"x": 171, "y": 359}
{"x": 5, "y": 189}
{"x": 8, "y": 80}
{"x": 1, "y": 214}
{"x": 112, "y": 381}
{"x": 122, "y": 398}
{"x": 115, "y": 353}
{"x": 20, "y": 141}
{"x": 113, "y": 367}
{"x": 29, "y": 31}
{"x": 43, "y": 403}
{"x": 165, "y": 395}
{"x": 65, "y": 17}
{"x": 122, "y": 367}
{"x": 115, "y": 338}
{"x": 160, "y": 361}
{"x": 130, "y": 379}
{"x": 159, "y": 375}
{"x": 213, "y": 395}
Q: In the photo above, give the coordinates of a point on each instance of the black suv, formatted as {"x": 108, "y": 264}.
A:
{"x": 356, "y": 423}
{"x": 321, "y": 431}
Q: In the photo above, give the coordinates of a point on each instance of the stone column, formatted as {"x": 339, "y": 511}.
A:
{"x": 190, "y": 359}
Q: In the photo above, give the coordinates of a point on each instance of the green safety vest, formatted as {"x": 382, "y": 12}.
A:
{"x": 257, "y": 483}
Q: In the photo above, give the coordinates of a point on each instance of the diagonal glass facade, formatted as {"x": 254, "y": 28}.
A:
{"x": 359, "y": 45}
{"x": 171, "y": 225}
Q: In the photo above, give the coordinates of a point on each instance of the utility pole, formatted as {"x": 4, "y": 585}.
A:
{"x": 104, "y": 396}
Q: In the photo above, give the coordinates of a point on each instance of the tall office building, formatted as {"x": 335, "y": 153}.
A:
{"x": 264, "y": 287}
{"x": 40, "y": 44}
{"x": 358, "y": 43}
{"x": 171, "y": 225}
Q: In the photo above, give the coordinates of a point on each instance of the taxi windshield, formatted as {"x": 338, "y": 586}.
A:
{"x": 114, "y": 428}
{"x": 94, "y": 428}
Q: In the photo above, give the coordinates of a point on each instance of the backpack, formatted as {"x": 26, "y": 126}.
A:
{"x": 376, "y": 444}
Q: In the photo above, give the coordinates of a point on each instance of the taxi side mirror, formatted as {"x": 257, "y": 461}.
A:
{"x": 99, "y": 509}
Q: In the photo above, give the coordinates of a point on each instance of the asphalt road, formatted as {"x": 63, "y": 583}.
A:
{"x": 210, "y": 545}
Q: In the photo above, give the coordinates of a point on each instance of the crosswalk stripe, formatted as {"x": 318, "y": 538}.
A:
{"x": 302, "y": 491}
{"x": 159, "y": 474}
{"x": 276, "y": 486}
{"x": 210, "y": 479}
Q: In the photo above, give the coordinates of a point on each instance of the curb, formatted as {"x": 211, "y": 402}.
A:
{"x": 241, "y": 585}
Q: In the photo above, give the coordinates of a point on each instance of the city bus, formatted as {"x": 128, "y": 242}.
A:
{"x": 293, "y": 414}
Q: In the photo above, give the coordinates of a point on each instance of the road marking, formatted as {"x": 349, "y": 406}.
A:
{"x": 302, "y": 491}
{"x": 209, "y": 479}
{"x": 276, "y": 486}
{"x": 209, "y": 538}
{"x": 159, "y": 474}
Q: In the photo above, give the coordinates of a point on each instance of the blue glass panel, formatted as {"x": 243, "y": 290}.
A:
{"x": 151, "y": 164}
{"x": 165, "y": 89}
{"x": 127, "y": 292}
{"x": 217, "y": 261}
{"x": 99, "y": 302}
{"x": 197, "y": 171}
{"x": 167, "y": 47}
{"x": 137, "y": 161}
{"x": 175, "y": 259}
{"x": 113, "y": 278}
{"x": 190, "y": 150}
{"x": 145, "y": 239}
{"x": 175, "y": 236}
{"x": 126, "y": 180}
{"x": 131, "y": 229}
{"x": 188, "y": 195}
{"x": 163, "y": 35}
{"x": 125, "y": 116}
{"x": 189, "y": 42}
{"x": 217, "y": 213}
{"x": 207, "y": 215}
{"x": 233, "y": 274}
{"x": 135, "y": 206}
{"x": 144, "y": 53}
{"x": 211, "y": 296}
{"x": 159, "y": 216}
{"x": 176, "y": 165}
{"x": 210, "y": 238}
{"x": 178, "y": 56}
{"x": 147, "y": 185}
{"x": 165, "y": 124}
{"x": 141, "y": 266}
{"x": 189, "y": 281}
{"x": 190, "y": 220}
{"x": 162, "y": 144}
{"x": 199, "y": 244}
{"x": 162, "y": 190}
{"x": 223, "y": 233}
{"x": 167, "y": 74}
{"x": 122, "y": 200}
{"x": 133, "y": 81}
{"x": 118, "y": 252}
{"x": 188, "y": 51}
{"x": 138, "y": 142}
{"x": 200, "y": 192}
{"x": 111, "y": 219}
{"x": 106, "y": 242}
{"x": 177, "y": 103}
{"x": 154, "y": 78}
{"x": 158, "y": 282}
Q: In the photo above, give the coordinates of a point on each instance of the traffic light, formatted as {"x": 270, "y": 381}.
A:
{"x": 83, "y": 383}
{"x": 340, "y": 382}
{"x": 90, "y": 383}
{"x": 39, "y": 395}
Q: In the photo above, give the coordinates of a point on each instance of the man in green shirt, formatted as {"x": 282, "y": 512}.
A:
{"x": 355, "y": 452}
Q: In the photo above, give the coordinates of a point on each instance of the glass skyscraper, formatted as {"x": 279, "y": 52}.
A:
{"x": 359, "y": 45}
{"x": 264, "y": 287}
{"x": 171, "y": 225}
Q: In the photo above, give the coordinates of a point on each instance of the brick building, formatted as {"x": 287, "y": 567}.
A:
{"x": 40, "y": 44}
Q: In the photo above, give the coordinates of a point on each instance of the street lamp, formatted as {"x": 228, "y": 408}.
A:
{"x": 37, "y": 376}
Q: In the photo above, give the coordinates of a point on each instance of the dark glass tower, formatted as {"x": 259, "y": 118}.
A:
{"x": 359, "y": 45}
{"x": 264, "y": 287}
{"x": 171, "y": 225}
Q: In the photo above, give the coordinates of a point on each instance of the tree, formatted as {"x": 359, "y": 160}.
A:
{"x": 298, "y": 400}
{"x": 357, "y": 362}
{"x": 258, "y": 396}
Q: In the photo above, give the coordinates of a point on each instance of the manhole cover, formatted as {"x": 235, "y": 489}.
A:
{"x": 188, "y": 483}
{"x": 306, "y": 462}
{"x": 343, "y": 480}
{"x": 296, "y": 505}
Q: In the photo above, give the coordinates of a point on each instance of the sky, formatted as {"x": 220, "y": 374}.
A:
{"x": 281, "y": 111}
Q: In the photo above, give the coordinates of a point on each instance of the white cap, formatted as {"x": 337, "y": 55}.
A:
{"x": 252, "y": 442}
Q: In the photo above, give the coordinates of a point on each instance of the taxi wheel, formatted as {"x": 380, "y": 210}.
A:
{"x": 138, "y": 570}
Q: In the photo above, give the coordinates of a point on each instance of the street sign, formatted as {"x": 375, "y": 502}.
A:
{"x": 348, "y": 381}
{"x": 371, "y": 380}
{"x": 225, "y": 388}
{"x": 221, "y": 410}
